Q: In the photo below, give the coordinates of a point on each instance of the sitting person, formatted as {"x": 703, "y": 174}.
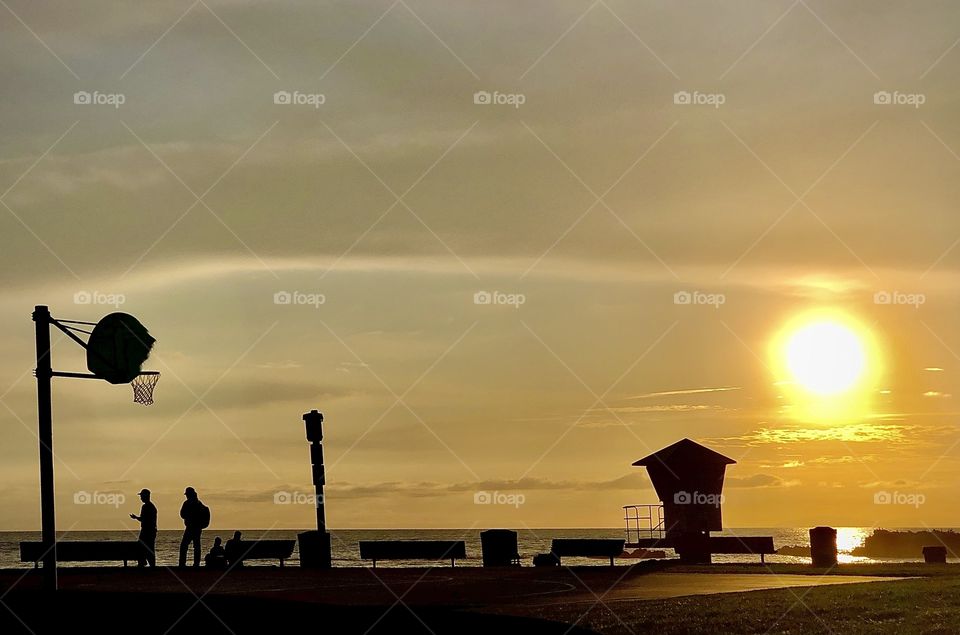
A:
{"x": 234, "y": 550}
{"x": 217, "y": 558}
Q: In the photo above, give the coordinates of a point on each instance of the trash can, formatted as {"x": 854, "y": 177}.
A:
{"x": 499, "y": 547}
{"x": 693, "y": 547}
{"x": 823, "y": 546}
{"x": 935, "y": 555}
{"x": 314, "y": 549}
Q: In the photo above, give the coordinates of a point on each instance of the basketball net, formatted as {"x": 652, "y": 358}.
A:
{"x": 143, "y": 385}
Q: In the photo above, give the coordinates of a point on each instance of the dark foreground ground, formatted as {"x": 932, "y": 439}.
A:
{"x": 647, "y": 598}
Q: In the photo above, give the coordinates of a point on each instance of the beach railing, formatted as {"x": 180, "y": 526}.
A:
{"x": 644, "y": 524}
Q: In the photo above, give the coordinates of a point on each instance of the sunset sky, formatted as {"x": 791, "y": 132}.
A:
{"x": 588, "y": 195}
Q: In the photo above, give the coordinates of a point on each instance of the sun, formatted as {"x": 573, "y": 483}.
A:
{"x": 827, "y": 367}
{"x": 825, "y": 357}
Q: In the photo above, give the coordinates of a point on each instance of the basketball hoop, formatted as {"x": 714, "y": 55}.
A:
{"x": 117, "y": 347}
{"x": 143, "y": 385}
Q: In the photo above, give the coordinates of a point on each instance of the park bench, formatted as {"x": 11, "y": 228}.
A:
{"x": 759, "y": 545}
{"x": 266, "y": 550}
{"x": 84, "y": 551}
{"x": 587, "y": 548}
{"x": 412, "y": 550}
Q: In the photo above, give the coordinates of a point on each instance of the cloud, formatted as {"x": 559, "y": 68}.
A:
{"x": 685, "y": 391}
{"x": 425, "y": 489}
{"x": 633, "y": 481}
{"x": 893, "y": 484}
{"x": 677, "y": 407}
{"x": 238, "y": 393}
{"x": 862, "y": 433}
{"x": 825, "y": 460}
{"x": 758, "y": 480}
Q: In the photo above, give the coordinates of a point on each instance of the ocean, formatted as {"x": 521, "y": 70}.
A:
{"x": 346, "y": 552}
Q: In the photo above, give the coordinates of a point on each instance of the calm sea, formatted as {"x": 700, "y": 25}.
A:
{"x": 346, "y": 552}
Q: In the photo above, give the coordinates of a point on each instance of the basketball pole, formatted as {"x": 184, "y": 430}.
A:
{"x": 48, "y": 523}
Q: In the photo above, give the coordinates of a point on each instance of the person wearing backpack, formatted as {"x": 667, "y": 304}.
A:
{"x": 196, "y": 518}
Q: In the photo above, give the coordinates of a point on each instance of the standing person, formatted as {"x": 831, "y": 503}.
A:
{"x": 196, "y": 518}
{"x": 148, "y": 530}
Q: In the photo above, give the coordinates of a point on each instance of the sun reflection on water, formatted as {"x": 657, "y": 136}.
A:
{"x": 849, "y": 538}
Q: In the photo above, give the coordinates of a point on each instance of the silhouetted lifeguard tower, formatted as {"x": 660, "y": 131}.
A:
{"x": 688, "y": 479}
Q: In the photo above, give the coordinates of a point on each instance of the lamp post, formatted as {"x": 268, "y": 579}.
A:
{"x": 315, "y": 545}
{"x": 313, "y": 421}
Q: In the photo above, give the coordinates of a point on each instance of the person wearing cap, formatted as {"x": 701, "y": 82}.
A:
{"x": 148, "y": 530}
{"x": 191, "y": 512}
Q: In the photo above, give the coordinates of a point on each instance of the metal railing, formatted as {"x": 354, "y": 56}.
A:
{"x": 644, "y": 522}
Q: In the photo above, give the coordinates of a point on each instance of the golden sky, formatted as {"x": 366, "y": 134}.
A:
{"x": 487, "y": 219}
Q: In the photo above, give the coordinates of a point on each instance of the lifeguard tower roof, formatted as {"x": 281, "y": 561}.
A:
{"x": 684, "y": 453}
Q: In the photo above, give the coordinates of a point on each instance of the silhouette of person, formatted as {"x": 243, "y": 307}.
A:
{"x": 234, "y": 550}
{"x": 217, "y": 558}
{"x": 148, "y": 530}
{"x": 192, "y": 512}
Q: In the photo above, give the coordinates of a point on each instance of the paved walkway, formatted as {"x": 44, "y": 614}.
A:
{"x": 465, "y": 587}
{"x": 657, "y": 586}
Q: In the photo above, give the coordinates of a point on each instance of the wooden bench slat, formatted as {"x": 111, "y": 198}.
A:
{"x": 746, "y": 545}
{"x": 587, "y": 547}
{"x": 266, "y": 549}
{"x": 84, "y": 551}
{"x": 412, "y": 550}
{"x": 106, "y": 550}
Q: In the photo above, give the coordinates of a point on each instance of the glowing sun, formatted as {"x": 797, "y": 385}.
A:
{"x": 827, "y": 366}
{"x": 825, "y": 357}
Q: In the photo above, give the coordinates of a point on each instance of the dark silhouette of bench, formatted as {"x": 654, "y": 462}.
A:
{"x": 759, "y": 545}
{"x": 412, "y": 550}
{"x": 85, "y": 551}
{"x": 265, "y": 550}
{"x": 587, "y": 548}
